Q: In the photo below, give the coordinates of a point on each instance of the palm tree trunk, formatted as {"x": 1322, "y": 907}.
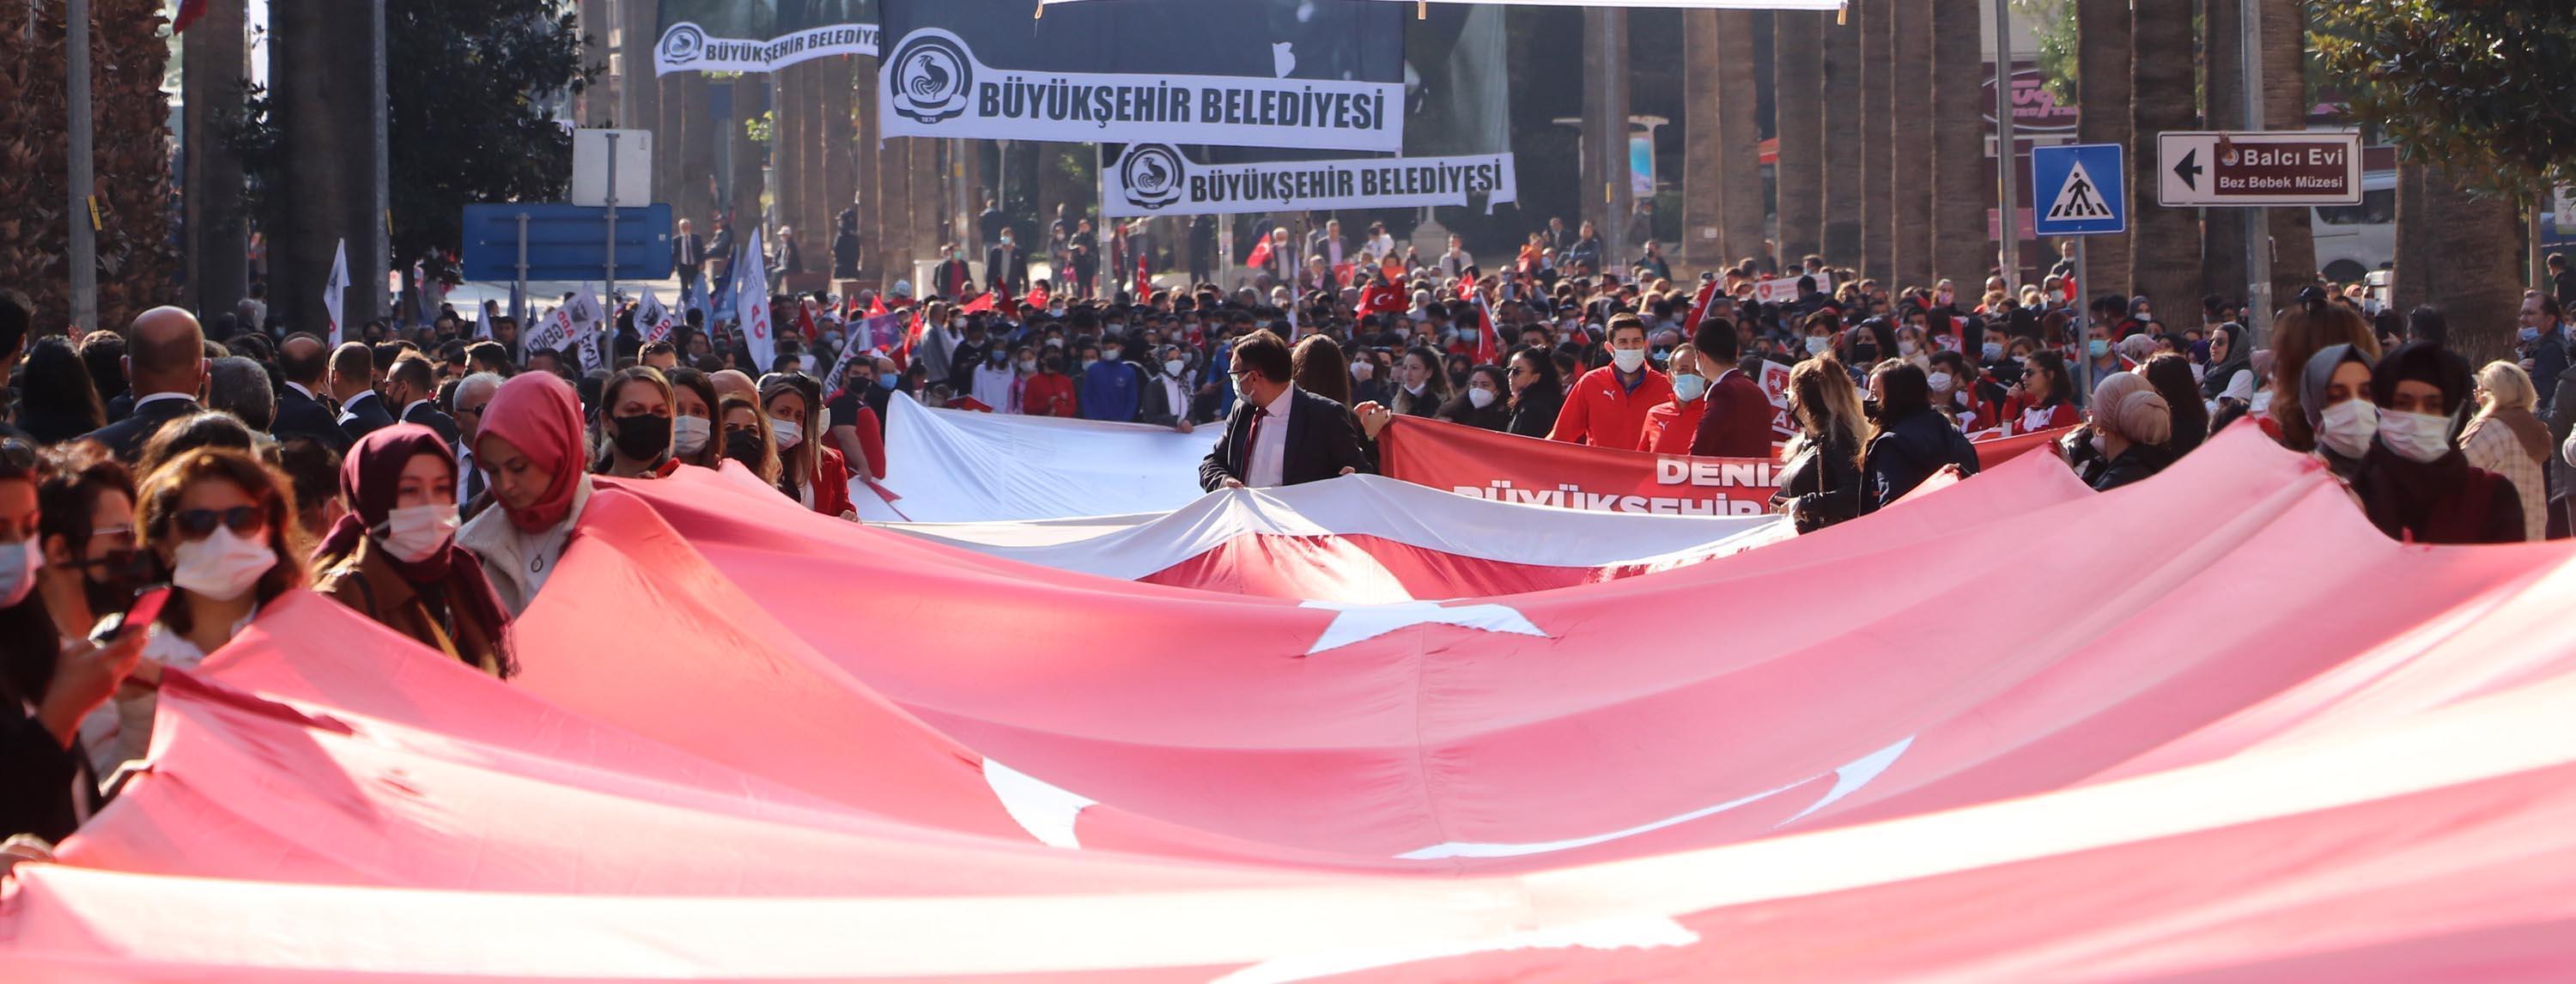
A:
{"x": 2164, "y": 254}
{"x": 1840, "y": 72}
{"x": 2102, "y": 46}
{"x": 1910, "y": 168}
{"x": 1798, "y": 96}
{"x": 840, "y": 146}
{"x": 2477, "y": 243}
{"x": 217, "y": 228}
{"x": 1704, "y": 160}
{"x": 2411, "y": 281}
{"x": 2222, "y": 230}
{"x": 2285, "y": 107}
{"x": 700, "y": 134}
{"x": 1739, "y": 136}
{"x": 1962, "y": 179}
{"x": 1877, "y": 137}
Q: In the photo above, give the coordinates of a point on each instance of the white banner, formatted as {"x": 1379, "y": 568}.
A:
{"x": 686, "y": 48}
{"x": 335, "y": 290}
{"x": 752, "y": 301}
{"x": 932, "y": 86}
{"x": 1785, "y": 289}
{"x": 1157, "y": 179}
{"x": 652, "y": 320}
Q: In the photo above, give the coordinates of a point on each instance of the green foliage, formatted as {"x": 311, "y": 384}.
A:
{"x": 2053, "y": 23}
{"x": 2456, "y": 81}
{"x": 758, "y": 128}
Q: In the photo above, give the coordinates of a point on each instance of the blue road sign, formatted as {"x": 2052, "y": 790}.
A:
{"x": 2079, "y": 189}
{"x": 566, "y": 242}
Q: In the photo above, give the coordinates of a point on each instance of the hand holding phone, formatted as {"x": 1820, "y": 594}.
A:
{"x": 147, "y": 607}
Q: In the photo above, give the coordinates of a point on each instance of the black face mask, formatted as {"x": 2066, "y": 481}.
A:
{"x": 644, "y": 437}
{"x": 1869, "y": 409}
{"x": 743, "y": 446}
{"x": 1864, "y": 354}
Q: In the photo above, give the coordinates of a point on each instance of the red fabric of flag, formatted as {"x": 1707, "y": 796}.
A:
{"x": 189, "y": 11}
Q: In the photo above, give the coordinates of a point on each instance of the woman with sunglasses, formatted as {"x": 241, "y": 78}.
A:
{"x": 530, "y": 450}
{"x": 393, "y": 558}
{"x": 220, "y": 526}
{"x": 49, "y": 681}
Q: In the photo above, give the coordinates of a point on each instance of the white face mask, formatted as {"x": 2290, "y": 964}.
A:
{"x": 414, "y": 534}
{"x": 1173, "y": 367}
{"x": 786, "y": 432}
{"x": 1905, "y": 347}
{"x": 2347, "y": 427}
{"x": 1362, "y": 370}
{"x": 19, "y": 563}
{"x": 2419, "y": 437}
{"x": 1480, "y": 397}
{"x": 221, "y": 567}
{"x": 1628, "y": 360}
{"x": 689, "y": 434}
{"x": 1817, "y": 344}
{"x": 1940, "y": 382}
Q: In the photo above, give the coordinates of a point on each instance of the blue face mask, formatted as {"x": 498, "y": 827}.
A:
{"x": 2531, "y": 334}
{"x": 886, "y": 381}
{"x": 1688, "y": 386}
{"x": 2098, "y": 348}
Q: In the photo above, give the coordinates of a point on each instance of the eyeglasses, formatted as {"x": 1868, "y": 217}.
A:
{"x": 476, "y": 409}
{"x": 197, "y": 524}
{"x": 1238, "y": 373}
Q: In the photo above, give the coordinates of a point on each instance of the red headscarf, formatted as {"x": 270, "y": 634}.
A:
{"x": 449, "y": 582}
{"x": 538, "y": 414}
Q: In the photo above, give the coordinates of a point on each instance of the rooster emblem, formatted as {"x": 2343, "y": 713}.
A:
{"x": 1152, "y": 174}
{"x": 931, "y": 77}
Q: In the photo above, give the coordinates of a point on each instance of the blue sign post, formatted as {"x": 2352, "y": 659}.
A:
{"x": 2079, "y": 190}
{"x": 518, "y": 243}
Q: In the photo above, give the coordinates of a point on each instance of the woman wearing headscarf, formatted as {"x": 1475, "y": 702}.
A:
{"x": 2125, "y": 440}
{"x": 2300, "y": 333}
{"x": 2334, "y": 393}
{"x": 393, "y": 556}
{"x": 2170, "y": 373}
{"x": 530, "y": 449}
{"x": 2418, "y": 488}
{"x": 2508, "y": 439}
{"x": 2230, "y": 374}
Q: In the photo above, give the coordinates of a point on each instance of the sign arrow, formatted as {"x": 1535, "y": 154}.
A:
{"x": 2189, "y": 169}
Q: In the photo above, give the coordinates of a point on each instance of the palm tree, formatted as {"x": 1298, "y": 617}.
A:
{"x": 1961, "y": 178}
{"x": 1877, "y": 137}
{"x": 1910, "y": 52}
{"x": 1798, "y": 92}
{"x": 1740, "y": 137}
{"x": 2285, "y": 107}
{"x": 1840, "y": 44}
{"x": 2102, "y": 56}
{"x": 2222, "y": 230}
{"x": 2164, "y": 258}
{"x": 2475, "y": 242}
{"x": 1704, "y": 152}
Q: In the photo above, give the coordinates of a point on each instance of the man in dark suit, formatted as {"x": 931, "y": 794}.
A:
{"x": 362, "y": 409}
{"x": 689, "y": 259}
{"x": 412, "y": 385}
{"x": 1736, "y": 422}
{"x": 1006, "y": 267}
{"x": 302, "y": 409}
{"x": 1279, "y": 434}
{"x": 165, "y": 361}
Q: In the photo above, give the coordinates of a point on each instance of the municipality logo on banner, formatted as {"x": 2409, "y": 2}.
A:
{"x": 933, "y": 86}
{"x": 685, "y": 47}
{"x": 1156, "y": 179}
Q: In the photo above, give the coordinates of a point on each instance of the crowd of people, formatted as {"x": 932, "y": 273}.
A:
{"x": 430, "y": 476}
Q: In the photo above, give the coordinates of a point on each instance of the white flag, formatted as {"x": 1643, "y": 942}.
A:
{"x": 334, "y": 289}
{"x": 588, "y": 320}
{"x": 752, "y": 300}
{"x": 652, "y": 320}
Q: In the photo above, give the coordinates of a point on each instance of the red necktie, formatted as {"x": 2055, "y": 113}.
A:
{"x": 1251, "y": 438}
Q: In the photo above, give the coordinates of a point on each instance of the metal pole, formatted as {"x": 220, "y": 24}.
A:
{"x": 2008, "y": 219}
{"x": 1614, "y": 140}
{"x": 2258, "y": 222}
{"x": 521, "y": 299}
{"x": 610, "y": 297}
{"x": 84, "y": 244}
{"x": 2083, "y": 328}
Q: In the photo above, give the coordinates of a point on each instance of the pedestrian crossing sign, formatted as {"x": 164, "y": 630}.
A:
{"x": 2079, "y": 189}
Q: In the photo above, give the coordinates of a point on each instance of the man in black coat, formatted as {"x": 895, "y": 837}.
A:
{"x": 689, "y": 260}
{"x": 412, "y": 385}
{"x": 165, "y": 361}
{"x": 362, "y": 409}
{"x": 1006, "y": 266}
{"x": 1318, "y": 440}
{"x": 302, "y": 409}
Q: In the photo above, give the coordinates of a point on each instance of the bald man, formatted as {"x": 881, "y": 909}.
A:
{"x": 734, "y": 382}
{"x": 165, "y": 363}
{"x": 362, "y": 409}
{"x": 304, "y": 362}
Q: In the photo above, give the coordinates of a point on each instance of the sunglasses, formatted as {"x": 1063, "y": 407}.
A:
{"x": 198, "y": 524}
{"x": 476, "y": 409}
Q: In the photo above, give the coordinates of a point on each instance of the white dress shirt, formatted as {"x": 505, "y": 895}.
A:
{"x": 1268, "y": 457}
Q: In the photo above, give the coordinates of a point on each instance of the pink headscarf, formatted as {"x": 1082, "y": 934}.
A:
{"x": 538, "y": 414}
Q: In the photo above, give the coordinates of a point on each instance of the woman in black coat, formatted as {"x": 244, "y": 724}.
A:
{"x": 1537, "y": 394}
{"x": 1821, "y": 484}
{"x": 1486, "y": 383}
{"x": 1913, "y": 441}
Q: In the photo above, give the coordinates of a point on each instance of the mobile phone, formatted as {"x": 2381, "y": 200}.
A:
{"x": 147, "y": 607}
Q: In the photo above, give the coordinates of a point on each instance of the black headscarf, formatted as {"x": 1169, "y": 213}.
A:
{"x": 2213, "y": 381}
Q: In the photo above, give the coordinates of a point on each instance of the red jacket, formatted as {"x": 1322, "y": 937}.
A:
{"x": 2028, "y": 417}
{"x": 1600, "y": 412}
{"x": 831, "y": 483}
{"x": 1670, "y": 427}
{"x": 1737, "y": 423}
{"x": 1049, "y": 394}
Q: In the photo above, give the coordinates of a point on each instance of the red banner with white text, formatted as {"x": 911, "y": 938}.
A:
{"x": 1511, "y": 468}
